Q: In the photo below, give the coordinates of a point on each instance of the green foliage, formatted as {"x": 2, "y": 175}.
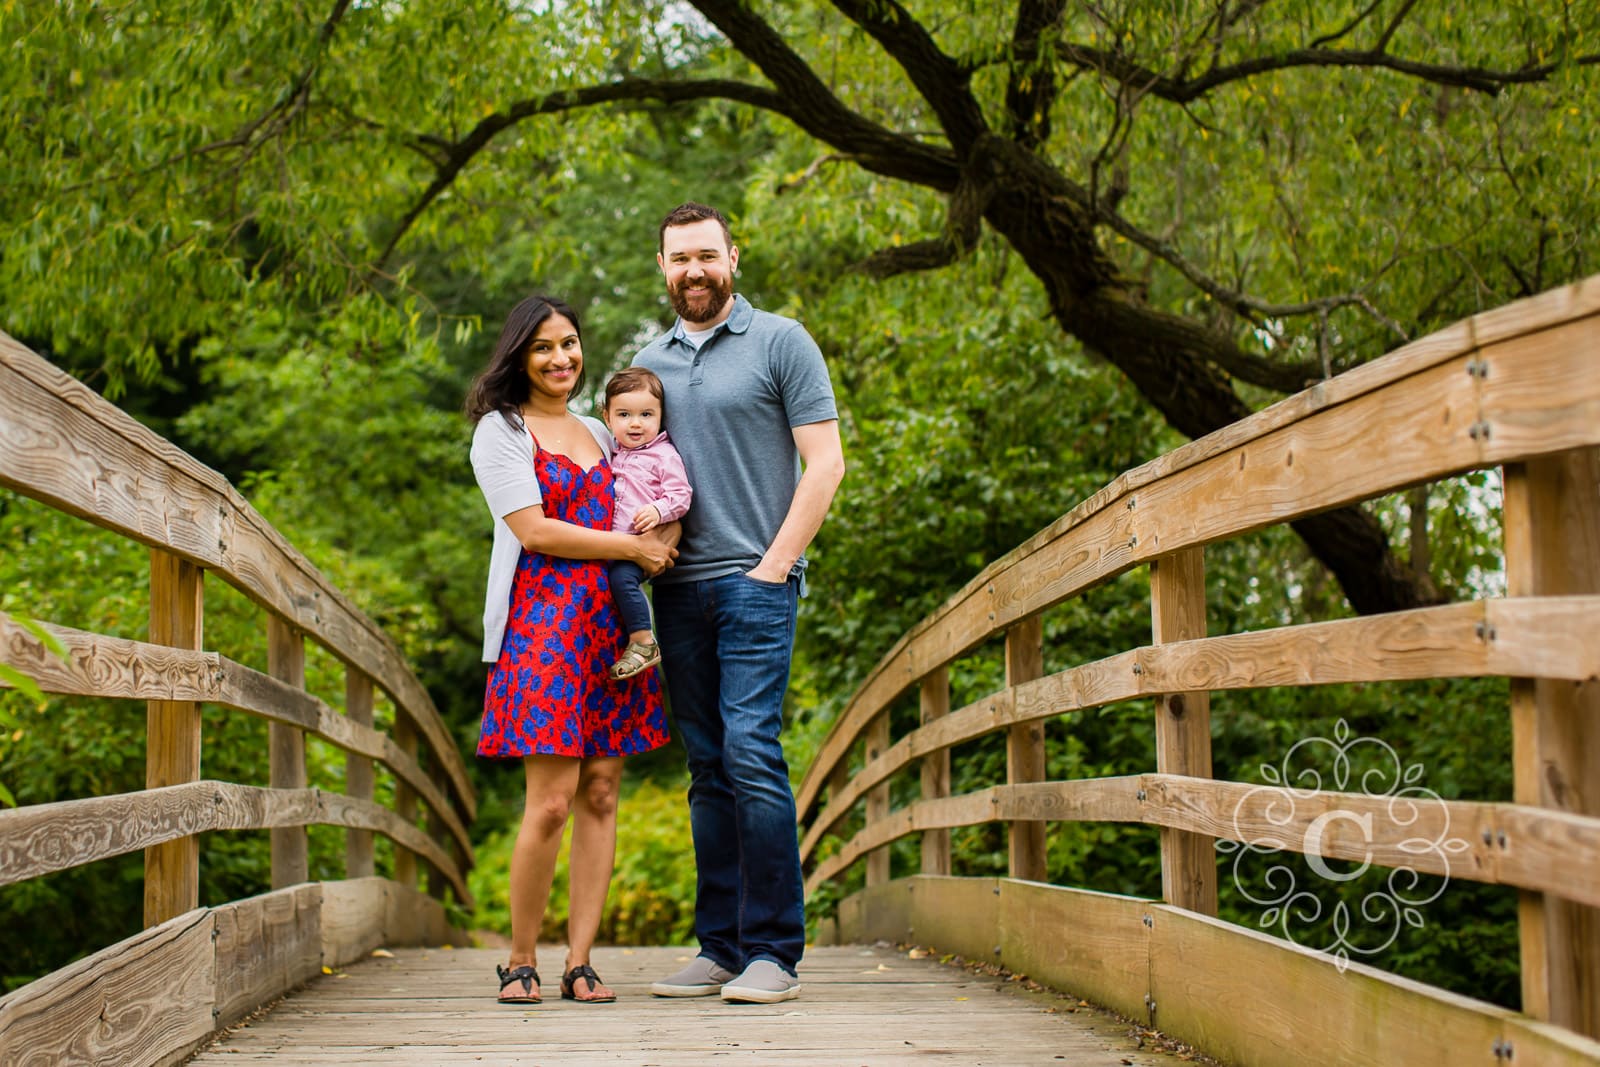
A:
{"x": 651, "y": 901}
{"x": 252, "y": 269}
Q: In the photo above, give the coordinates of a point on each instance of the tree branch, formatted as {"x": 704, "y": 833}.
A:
{"x": 1329, "y": 38}
{"x": 1268, "y": 374}
{"x": 1115, "y": 65}
{"x": 811, "y": 171}
{"x": 942, "y": 81}
{"x": 962, "y": 227}
{"x": 812, "y": 106}
{"x": 1031, "y": 88}
{"x": 274, "y": 119}
{"x": 882, "y": 150}
{"x": 930, "y": 254}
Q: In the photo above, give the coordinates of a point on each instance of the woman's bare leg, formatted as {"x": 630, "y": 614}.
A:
{"x": 551, "y": 783}
{"x": 594, "y": 848}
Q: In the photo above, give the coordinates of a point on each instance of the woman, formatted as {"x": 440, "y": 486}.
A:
{"x": 552, "y": 635}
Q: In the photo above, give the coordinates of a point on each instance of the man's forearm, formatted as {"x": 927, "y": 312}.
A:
{"x": 813, "y": 496}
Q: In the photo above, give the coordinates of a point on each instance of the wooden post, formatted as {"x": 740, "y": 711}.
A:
{"x": 438, "y": 831}
{"x": 1552, "y": 545}
{"x": 877, "y": 742}
{"x": 936, "y": 771}
{"x": 405, "y": 798}
{"x": 1025, "y": 749}
{"x": 358, "y": 774}
{"x": 172, "y": 745}
{"x": 286, "y": 751}
{"x": 838, "y": 780}
{"x": 1183, "y": 728}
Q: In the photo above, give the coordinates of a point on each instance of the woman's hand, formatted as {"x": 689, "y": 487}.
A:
{"x": 653, "y": 556}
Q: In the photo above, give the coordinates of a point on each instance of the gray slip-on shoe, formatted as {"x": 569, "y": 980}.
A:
{"x": 701, "y": 978}
{"x": 763, "y": 982}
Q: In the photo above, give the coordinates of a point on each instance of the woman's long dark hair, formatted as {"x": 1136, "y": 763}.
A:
{"x": 504, "y": 386}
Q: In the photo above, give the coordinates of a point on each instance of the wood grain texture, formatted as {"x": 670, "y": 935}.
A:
{"x": 1094, "y": 945}
{"x": 1540, "y": 394}
{"x": 1297, "y": 457}
{"x": 145, "y": 1000}
{"x": 957, "y": 915}
{"x": 266, "y": 946}
{"x": 405, "y": 797}
{"x": 365, "y": 914}
{"x": 861, "y": 1005}
{"x": 286, "y": 753}
{"x": 1255, "y": 1000}
{"x": 1025, "y": 750}
{"x": 877, "y": 740}
{"x": 354, "y": 918}
{"x": 43, "y": 838}
{"x": 1249, "y": 999}
{"x": 66, "y": 446}
{"x": 1183, "y": 727}
{"x": 1506, "y": 844}
{"x": 1552, "y": 546}
{"x": 115, "y": 667}
{"x": 172, "y": 735}
{"x": 1553, "y": 637}
{"x": 359, "y": 779}
{"x": 934, "y": 704}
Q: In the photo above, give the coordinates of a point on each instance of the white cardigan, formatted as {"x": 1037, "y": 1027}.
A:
{"x": 502, "y": 461}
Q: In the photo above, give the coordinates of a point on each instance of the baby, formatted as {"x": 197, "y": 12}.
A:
{"x": 651, "y": 489}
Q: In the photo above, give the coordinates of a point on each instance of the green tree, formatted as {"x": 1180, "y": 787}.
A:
{"x": 1224, "y": 201}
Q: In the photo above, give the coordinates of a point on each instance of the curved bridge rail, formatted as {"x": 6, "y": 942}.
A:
{"x": 195, "y": 969}
{"x": 1517, "y": 388}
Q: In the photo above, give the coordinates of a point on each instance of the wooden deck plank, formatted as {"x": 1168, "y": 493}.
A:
{"x": 860, "y": 1005}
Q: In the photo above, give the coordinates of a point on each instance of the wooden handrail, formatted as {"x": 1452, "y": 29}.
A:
{"x": 1515, "y": 388}
{"x": 62, "y": 444}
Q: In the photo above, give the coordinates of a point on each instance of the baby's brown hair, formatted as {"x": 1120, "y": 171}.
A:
{"x": 633, "y": 379}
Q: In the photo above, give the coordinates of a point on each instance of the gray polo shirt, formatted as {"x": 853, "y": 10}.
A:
{"x": 731, "y": 407}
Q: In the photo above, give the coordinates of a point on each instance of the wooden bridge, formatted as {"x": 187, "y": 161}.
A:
{"x": 1516, "y": 389}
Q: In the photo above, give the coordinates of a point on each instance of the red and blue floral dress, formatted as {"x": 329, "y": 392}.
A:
{"x": 551, "y": 691}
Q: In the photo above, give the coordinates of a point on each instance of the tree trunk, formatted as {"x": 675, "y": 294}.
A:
{"x": 1167, "y": 358}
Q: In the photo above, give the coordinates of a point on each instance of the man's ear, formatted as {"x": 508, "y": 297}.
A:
{"x": 733, "y": 258}
{"x": 661, "y": 264}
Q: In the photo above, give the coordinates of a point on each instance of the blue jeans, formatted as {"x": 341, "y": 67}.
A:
{"x": 725, "y": 646}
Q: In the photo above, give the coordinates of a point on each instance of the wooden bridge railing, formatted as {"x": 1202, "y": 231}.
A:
{"x": 194, "y": 969}
{"x": 1517, "y": 388}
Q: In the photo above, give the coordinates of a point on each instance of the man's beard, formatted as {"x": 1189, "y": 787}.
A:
{"x": 718, "y": 292}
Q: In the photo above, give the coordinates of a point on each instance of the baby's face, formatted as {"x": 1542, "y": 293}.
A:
{"x": 634, "y": 418}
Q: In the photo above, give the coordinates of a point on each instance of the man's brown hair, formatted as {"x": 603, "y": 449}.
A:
{"x": 691, "y": 212}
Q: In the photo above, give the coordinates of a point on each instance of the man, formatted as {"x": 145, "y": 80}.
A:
{"x": 750, "y": 407}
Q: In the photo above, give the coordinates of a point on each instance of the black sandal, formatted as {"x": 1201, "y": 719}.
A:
{"x": 583, "y": 970}
{"x": 524, "y": 974}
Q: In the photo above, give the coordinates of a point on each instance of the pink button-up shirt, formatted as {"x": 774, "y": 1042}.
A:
{"x": 650, "y": 474}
